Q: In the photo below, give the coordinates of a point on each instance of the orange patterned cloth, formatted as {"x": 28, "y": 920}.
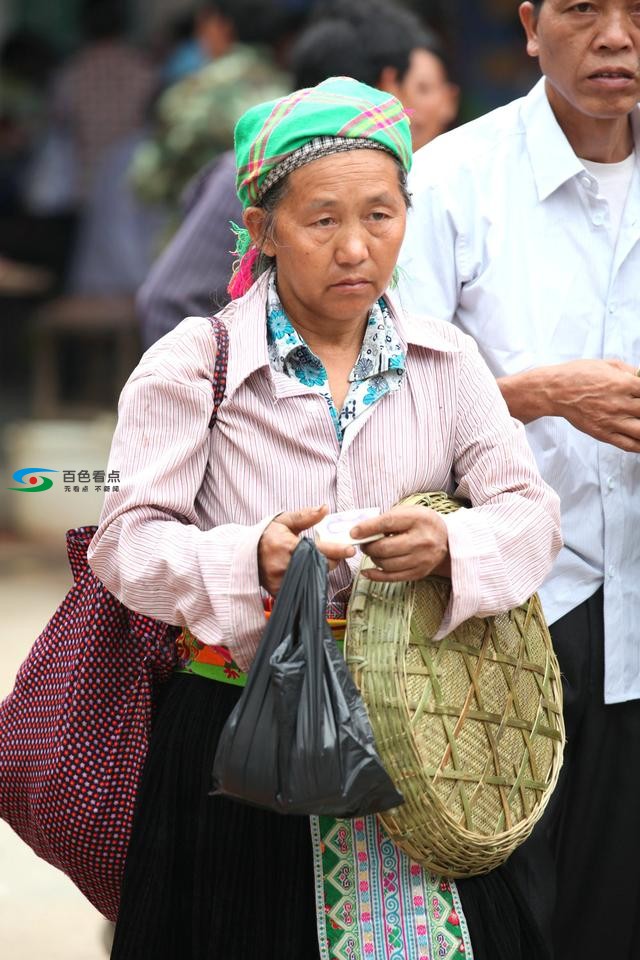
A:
{"x": 216, "y": 663}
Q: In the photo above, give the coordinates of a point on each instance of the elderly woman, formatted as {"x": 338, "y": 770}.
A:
{"x": 335, "y": 399}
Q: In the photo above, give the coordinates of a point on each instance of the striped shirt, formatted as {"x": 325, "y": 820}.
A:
{"x": 178, "y": 540}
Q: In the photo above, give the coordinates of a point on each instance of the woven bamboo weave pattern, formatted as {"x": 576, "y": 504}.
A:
{"x": 469, "y": 727}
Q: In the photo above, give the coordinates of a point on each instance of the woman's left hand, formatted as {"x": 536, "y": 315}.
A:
{"x": 415, "y": 543}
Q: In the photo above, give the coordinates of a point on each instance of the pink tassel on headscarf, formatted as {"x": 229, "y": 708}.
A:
{"x": 242, "y": 278}
{"x": 246, "y": 254}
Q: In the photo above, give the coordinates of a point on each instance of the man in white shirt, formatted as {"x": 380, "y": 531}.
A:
{"x": 525, "y": 232}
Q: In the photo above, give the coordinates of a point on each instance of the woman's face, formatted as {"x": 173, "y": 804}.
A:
{"x": 427, "y": 94}
{"x": 338, "y": 232}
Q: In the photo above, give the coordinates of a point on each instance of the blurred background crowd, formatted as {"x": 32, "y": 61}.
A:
{"x": 113, "y": 115}
{"x": 116, "y": 192}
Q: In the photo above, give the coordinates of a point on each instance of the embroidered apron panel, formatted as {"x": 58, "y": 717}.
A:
{"x": 374, "y": 902}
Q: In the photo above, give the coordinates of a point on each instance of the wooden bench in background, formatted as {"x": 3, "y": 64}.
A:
{"x": 84, "y": 349}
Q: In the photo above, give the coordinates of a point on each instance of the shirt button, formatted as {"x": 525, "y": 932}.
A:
{"x": 612, "y": 308}
{"x": 585, "y": 180}
{"x": 612, "y": 572}
{"x": 598, "y": 220}
{"x": 611, "y": 483}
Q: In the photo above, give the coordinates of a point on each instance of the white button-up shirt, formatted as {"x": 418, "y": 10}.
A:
{"x": 509, "y": 238}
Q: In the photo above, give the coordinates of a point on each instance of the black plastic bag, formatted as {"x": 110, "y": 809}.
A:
{"x": 299, "y": 739}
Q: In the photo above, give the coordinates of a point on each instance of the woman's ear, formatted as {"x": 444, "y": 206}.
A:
{"x": 255, "y": 220}
{"x": 389, "y": 81}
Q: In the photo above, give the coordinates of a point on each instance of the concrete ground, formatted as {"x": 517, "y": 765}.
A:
{"x": 42, "y": 915}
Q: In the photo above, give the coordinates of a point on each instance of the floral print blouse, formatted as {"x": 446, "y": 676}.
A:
{"x": 379, "y": 369}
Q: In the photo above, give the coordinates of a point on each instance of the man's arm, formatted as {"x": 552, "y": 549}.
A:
{"x": 191, "y": 275}
{"x": 599, "y": 397}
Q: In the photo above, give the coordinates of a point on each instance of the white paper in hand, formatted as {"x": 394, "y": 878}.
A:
{"x": 337, "y": 526}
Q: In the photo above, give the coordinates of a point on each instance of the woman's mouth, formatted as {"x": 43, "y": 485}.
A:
{"x": 351, "y": 284}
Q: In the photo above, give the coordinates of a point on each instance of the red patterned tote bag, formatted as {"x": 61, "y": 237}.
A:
{"x": 75, "y": 729}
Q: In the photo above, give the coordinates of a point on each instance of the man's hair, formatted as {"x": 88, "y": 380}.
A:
{"x": 386, "y": 33}
{"x": 330, "y": 48}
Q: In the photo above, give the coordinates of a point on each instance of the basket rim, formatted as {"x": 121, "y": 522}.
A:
{"x": 486, "y": 846}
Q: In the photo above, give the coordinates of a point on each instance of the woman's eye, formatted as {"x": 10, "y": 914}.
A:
{"x": 324, "y": 222}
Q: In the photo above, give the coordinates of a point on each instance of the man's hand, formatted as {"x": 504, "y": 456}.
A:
{"x": 415, "y": 544}
{"x": 599, "y": 397}
{"x": 280, "y": 539}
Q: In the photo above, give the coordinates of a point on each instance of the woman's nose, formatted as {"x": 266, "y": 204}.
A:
{"x": 352, "y": 246}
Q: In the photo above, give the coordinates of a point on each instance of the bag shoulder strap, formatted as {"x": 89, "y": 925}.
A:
{"x": 220, "y": 369}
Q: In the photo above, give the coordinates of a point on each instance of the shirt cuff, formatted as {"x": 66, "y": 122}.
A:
{"x": 470, "y": 546}
{"x": 239, "y": 617}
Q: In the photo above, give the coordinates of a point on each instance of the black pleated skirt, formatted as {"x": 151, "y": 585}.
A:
{"x": 211, "y": 879}
{"x": 501, "y": 923}
{"x": 208, "y": 878}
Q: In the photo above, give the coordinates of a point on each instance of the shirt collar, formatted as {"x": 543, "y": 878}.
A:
{"x": 281, "y": 333}
{"x": 380, "y": 351}
{"x": 420, "y": 330}
{"x": 635, "y": 129}
{"x": 248, "y": 348}
{"x": 553, "y": 159}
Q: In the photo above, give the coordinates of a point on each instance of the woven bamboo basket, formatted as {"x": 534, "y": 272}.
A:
{"x": 469, "y": 727}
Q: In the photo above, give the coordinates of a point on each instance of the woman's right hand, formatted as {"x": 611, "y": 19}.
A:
{"x": 280, "y": 539}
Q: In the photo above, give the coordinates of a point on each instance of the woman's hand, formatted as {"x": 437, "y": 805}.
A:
{"x": 415, "y": 544}
{"x": 280, "y": 539}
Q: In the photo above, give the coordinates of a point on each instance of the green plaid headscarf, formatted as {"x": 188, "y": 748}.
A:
{"x": 274, "y": 138}
{"x": 340, "y": 108}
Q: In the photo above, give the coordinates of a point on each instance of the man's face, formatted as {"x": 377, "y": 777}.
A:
{"x": 589, "y": 52}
